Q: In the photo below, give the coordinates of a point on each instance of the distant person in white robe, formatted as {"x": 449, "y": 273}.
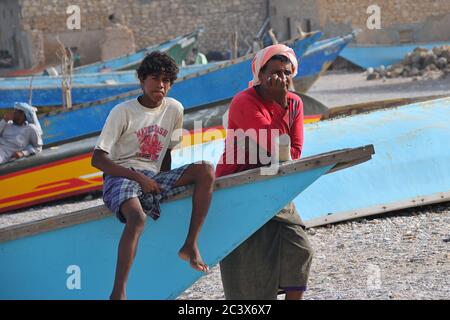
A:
{"x": 20, "y": 133}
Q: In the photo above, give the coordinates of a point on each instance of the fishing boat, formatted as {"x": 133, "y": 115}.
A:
{"x": 73, "y": 256}
{"x": 178, "y": 48}
{"x": 411, "y": 168}
{"x": 95, "y": 81}
{"x": 211, "y": 87}
{"x": 211, "y": 83}
{"x": 64, "y": 170}
{"x": 374, "y": 56}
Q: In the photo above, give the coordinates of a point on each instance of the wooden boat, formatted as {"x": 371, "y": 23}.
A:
{"x": 374, "y": 56}
{"x": 64, "y": 170}
{"x": 210, "y": 82}
{"x": 178, "y": 48}
{"x": 73, "y": 256}
{"x": 411, "y": 168}
{"x": 63, "y": 125}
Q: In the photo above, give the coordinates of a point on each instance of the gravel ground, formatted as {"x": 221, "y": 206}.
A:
{"x": 339, "y": 88}
{"x": 405, "y": 255}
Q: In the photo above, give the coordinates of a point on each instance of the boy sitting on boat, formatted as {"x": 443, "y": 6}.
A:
{"x": 134, "y": 152}
{"x": 20, "y": 133}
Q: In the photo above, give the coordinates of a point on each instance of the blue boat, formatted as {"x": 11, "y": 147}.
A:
{"x": 411, "y": 167}
{"x": 210, "y": 86}
{"x": 73, "y": 256}
{"x": 210, "y": 82}
{"x": 46, "y": 90}
{"x": 178, "y": 47}
{"x": 374, "y": 56}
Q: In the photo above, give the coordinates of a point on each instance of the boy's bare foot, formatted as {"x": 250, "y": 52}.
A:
{"x": 192, "y": 254}
{"x": 117, "y": 296}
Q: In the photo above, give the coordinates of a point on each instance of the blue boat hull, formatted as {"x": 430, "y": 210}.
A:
{"x": 411, "y": 167}
{"x": 210, "y": 85}
{"x": 41, "y": 266}
{"x": 375, "y": 56}
{"x": 85, "y": 87}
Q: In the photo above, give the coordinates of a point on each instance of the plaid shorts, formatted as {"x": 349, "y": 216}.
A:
{"x": 117, "y": 190}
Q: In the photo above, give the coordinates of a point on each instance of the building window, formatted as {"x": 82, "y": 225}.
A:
{"x": 308, "y": 27}
{"x": 406, "y": 36}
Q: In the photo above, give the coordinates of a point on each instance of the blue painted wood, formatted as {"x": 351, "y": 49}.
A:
{"x": 217, "y": 80}
{"x": 375, "y": 56}
{"x": 411, "y": 159}
{"x": 85, "y": 87}
{"x": 35, "y": 267}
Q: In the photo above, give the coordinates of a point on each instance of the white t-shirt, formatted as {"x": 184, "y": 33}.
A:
{"x": 138, "y": 137}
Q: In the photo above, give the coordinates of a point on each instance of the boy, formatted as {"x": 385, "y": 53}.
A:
{"x": 133, "y": 151}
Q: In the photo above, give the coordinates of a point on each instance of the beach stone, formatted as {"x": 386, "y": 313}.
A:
{"x": 414, "y": 72}
{"x": 438, "y": 51}
{"x": 372, "y": 76}
{"x": 442, "y": 63}
{"x": 446, "y": 53}
{"x": 407, "y": 60}
{"x": 429, "y": 59}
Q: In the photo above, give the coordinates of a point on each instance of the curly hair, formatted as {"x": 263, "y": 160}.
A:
{"x": 157, "y": 63}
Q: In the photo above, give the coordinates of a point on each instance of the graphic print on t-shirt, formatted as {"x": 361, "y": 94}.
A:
{"x": 150, "y": 145}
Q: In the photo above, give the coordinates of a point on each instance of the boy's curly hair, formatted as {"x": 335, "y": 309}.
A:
{"x": 157, "y": 63}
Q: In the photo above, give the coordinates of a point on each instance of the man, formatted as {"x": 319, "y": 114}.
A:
{"x": 20, "y": 133}
{"x": 134, "y": 152}
{"x": 200, "y": 58}
{"x": 278, "y": 256}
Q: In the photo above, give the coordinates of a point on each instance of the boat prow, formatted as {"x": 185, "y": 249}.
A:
{"x": 42, "y": 260}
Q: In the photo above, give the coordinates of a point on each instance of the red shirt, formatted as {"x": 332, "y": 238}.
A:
{"x": 249, "y": 111}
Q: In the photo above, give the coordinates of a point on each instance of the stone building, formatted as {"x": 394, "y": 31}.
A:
{"x": 29, "y": 28}
{"x": 401, "y": 21}
{"x": 152, "y": 21}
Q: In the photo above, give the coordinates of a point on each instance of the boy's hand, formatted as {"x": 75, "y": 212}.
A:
{"x": 148, "y": 185}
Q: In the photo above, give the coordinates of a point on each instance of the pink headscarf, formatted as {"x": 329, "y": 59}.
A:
{"x": 264, "y": 55}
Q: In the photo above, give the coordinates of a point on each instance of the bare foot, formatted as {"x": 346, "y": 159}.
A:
{"x": 191, "y": 254}
{"x": 117, "y": 296}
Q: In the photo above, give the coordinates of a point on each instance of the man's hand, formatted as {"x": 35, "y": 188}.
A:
{"x": 148, "y": 185}
{"x": 278, "y": 89}
{"x": 18, "y": 155}
{"x": 9, "y": 116}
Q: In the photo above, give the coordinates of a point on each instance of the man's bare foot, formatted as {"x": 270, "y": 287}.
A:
{"x": 117, "y": 296}
{"x": 191, "y": 254}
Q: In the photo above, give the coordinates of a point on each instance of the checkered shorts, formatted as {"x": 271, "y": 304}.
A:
{"x": 117, "y": 190}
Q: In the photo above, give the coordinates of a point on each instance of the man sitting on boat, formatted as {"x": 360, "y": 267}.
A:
{"x": 20, "y": 133}
{"x": 278, "y": 256}
{"x": 134, "y": 152}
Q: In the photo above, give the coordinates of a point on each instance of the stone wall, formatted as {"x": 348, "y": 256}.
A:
{"x": 419, "y": 20}
{"x": 152, "y": 21}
